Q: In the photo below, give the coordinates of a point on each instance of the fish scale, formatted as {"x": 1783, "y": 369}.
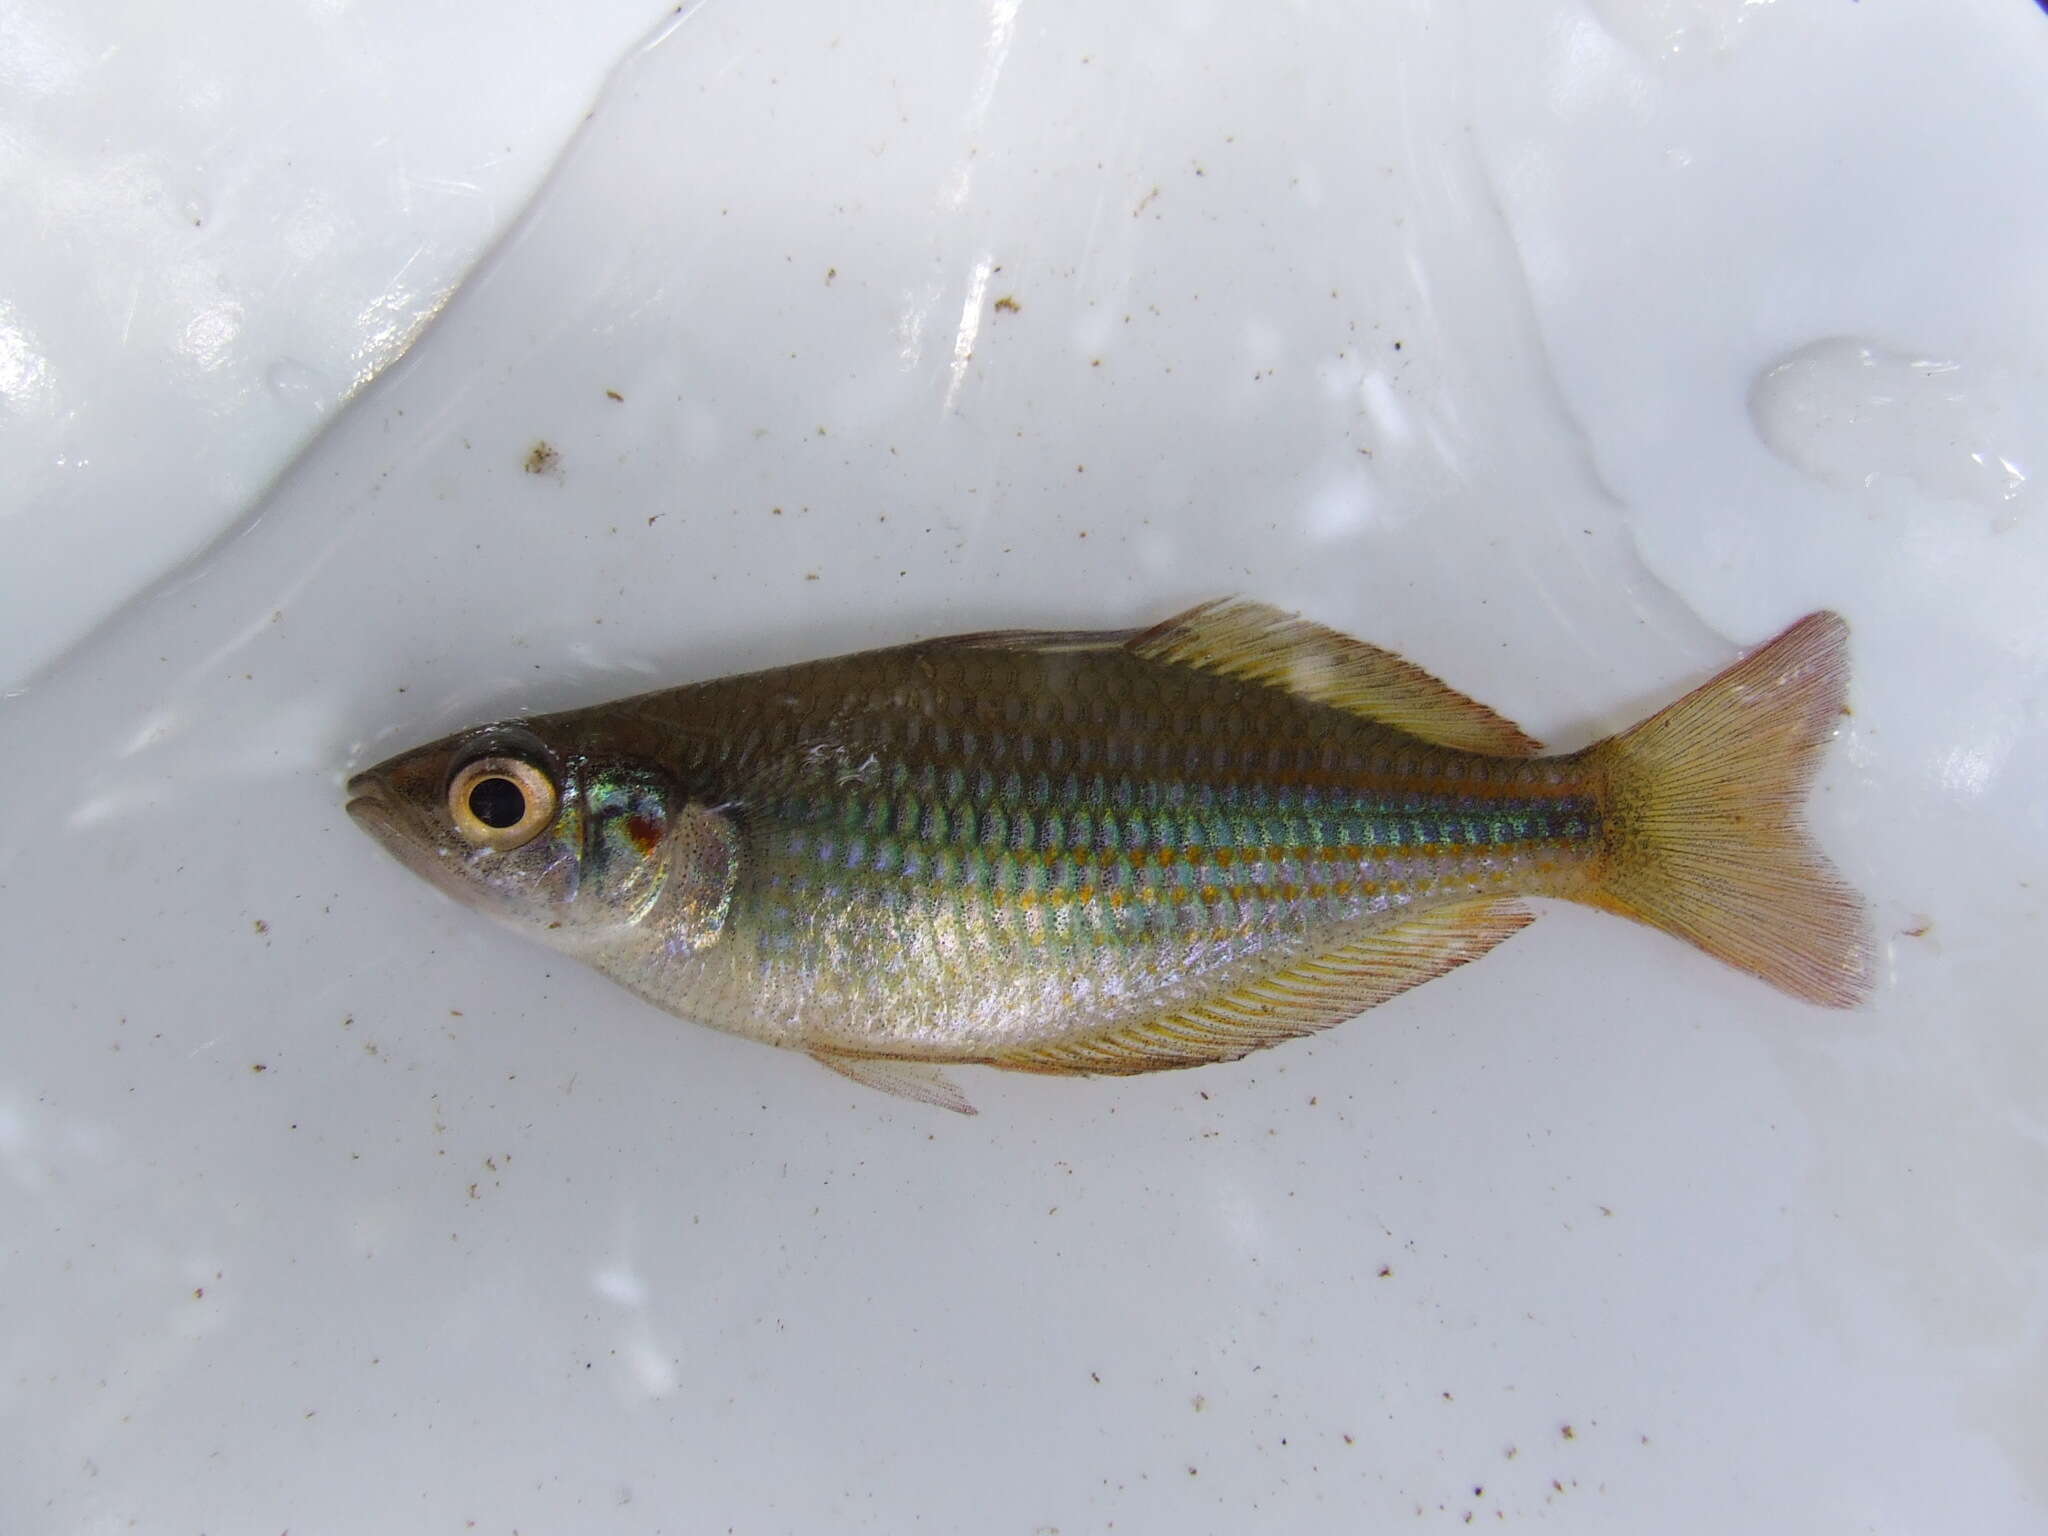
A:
{"x": 1098, "y": 864}
{"x": 1114, "y": 852}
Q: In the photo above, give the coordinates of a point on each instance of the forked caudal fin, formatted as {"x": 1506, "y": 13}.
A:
{"x": 1702, "y": 813}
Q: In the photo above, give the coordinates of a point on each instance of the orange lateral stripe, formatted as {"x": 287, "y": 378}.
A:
{"x": 1207, "y": 895}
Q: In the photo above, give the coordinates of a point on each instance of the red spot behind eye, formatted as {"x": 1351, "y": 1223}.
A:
{"x": 645, "y": 831}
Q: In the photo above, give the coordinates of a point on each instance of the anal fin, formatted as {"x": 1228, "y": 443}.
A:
{"x": 918, "y": 1081}
{"x": 1299, "y": 998}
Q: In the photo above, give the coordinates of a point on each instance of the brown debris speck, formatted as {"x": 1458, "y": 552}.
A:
{"x": 1007, "y": 304}
{"x": 613, "y": 394}
{"x": 542, "y": 459}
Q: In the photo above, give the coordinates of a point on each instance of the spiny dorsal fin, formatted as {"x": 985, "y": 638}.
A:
{"x": 1298, "y": 999}
{"x": 1260, "y": 644}
{"x": 917, "y": 1081}
{"x": 1045, "y": 641}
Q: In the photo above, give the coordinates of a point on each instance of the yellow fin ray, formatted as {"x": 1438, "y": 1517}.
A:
{"x": 1260, "y": 644}
{"x": 1297, "y": 999}
{"x": 1704, "y": 837}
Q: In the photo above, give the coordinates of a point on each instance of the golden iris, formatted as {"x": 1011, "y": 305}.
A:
{"x": 501, "y": 802}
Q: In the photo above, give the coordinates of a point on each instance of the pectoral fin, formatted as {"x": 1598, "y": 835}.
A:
{"x": 1297, "y": 999}
{"x": 915, "y": 1080}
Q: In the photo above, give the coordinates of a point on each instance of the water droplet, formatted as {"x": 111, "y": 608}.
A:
{"x": 1854, "y": 414}
{"x": 210, "y": 335}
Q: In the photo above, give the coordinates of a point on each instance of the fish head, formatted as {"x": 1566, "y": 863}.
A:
{"x": 575, "y": 842}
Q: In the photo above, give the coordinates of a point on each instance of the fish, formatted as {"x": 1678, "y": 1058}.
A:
{"x": 1115, "y": 852}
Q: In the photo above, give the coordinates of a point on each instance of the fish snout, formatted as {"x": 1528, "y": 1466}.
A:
{"x": 370, "y": 808}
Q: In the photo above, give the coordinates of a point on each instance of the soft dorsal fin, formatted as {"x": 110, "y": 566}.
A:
{"x": 918, "y": 1081}
{"x": 1297, "y": 999}
{"x": 1260, "y": 644}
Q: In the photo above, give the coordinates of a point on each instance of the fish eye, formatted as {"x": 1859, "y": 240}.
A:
{"x": 501, "y": 802}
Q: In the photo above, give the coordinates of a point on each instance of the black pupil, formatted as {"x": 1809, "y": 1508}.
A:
{"x": 497, "y": 803}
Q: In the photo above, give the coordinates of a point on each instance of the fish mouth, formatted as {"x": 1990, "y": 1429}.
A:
{"x": 372, "y": 807}
{"x": 402, "y": 832}
{"x": 368, "y": 808}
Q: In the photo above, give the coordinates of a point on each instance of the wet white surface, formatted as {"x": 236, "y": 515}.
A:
{"x": 1854, "y": 414}
{"x": 222, "y": 219}
{"x": 330, "y": 1206}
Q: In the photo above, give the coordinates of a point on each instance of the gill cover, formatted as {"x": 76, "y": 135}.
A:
{"x": 647, "y": 858}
